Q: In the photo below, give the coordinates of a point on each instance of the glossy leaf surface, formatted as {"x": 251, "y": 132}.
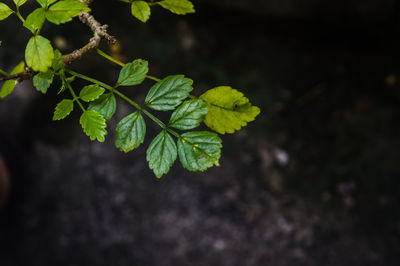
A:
{"x": 94, "y": 125}
{"x": 130, "y": 132}
{"x": 161, "y": 153}
{"x": 91, "y": 92}
{"x": 180, "y": 7}
{"x": 168, "y": 93}
{"x": 199, "y": 150}
{"x": 189, "y": 114}
{"x": 133, "y": 73}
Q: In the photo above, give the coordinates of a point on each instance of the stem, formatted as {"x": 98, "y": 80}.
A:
{"x": 124, "y": 97}
{"x": 153, "y": 78}
{"x": 81, "y": 76}
{"x": 76, "y": 98}
{"x": 110, "y": 58}
{"x": 4, "y": 73}
{"x": 116, "y": 61}
{"x": 19, "y": 15}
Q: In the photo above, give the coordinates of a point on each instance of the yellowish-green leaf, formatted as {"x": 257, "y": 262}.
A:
{"x": 5, "y": 11}
{"x": 35, "y": 19}
{"x": 9, "y": 85}
{"x": 43, "y": 80}
{"x": 189, "y": 114}
{"x": 179, "y": 7}
{"x": 168, "y": 93}
{"x": 19, "y": 3}
{"x": 91, "y": 92}
{"x": 64, "y": 11}
{"x": 228, "y": 109}
{"x": 106, "y": 105}
{"x": 45, "y": 3}
{"x": 63, "y": 109}
{"x": 94, "y": 125}
{"x": 141, "y": 10}
{"x": 39, "y": 53}
{"x": 133, "y": 73}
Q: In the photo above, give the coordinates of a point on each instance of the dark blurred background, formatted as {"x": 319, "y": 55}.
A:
{"x": 313, "y": 181}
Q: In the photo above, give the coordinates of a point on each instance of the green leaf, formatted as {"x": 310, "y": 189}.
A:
{"x": 63, "y": 109}
{"x": 9, "y": 85}
{"x": 133, "y": 73}
{"x": 94, "y": 125}
{"x": 19, "y": 3}
{"x": 91, "y": 92}
{"x": 39, "y": 53}
{"x": 168, "y": 93}
{"x": 189, "y": 114}
{"x": 228, "y": 109}
{"x": 45, "y": 3}
{"x": 5, "y": 11}
{"x": 65, "y": 10}
{"x": 57, "y": 61}
{"x": 35, "y": 20}
{"x": 130, "y": 132}
{"x": 141, "y": 10}
{"x": 180, "y": 7}
{"x": 161, "y": 153}
{"x": 43, "y": 80}
{"x": 199, "y": 150}
{"x": 106, "y": 105}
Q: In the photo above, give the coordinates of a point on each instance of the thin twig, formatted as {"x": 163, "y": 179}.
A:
{"x": 99, "y": 32}
{"x": 27, "y": 74}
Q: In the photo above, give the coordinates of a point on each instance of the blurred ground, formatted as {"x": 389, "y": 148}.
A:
{"x": 313, "y": 181}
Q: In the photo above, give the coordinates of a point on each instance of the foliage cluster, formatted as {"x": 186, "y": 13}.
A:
{"x": 223, "y": 109}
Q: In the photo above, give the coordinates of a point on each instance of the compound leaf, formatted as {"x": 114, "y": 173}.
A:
{"x": 168, "y": 93}
{"x": 43, "y": 80}
{"x": 63, "y": 109}
{"x": 130, "y": 132}
{"x": 39, "y": 53}
{"x": 189, "y": 114}
{"x": 91, "y": 92}
{"x": 5, "y": 11}
{"x": 161, "y": 153}
{"x": 141, "y": 10}
{"x": 9, "y": 85}
{"x": 94, "y": 125}
{"x": 35, "y": 20}
{"x": 64, "y": 11}
{"x": 133, "y": 73}
{"x": 106, "y": 105}
{"x": 228, "y": 109}
{"x": 199, "y": 150}
{"x": 179, "y": 7}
